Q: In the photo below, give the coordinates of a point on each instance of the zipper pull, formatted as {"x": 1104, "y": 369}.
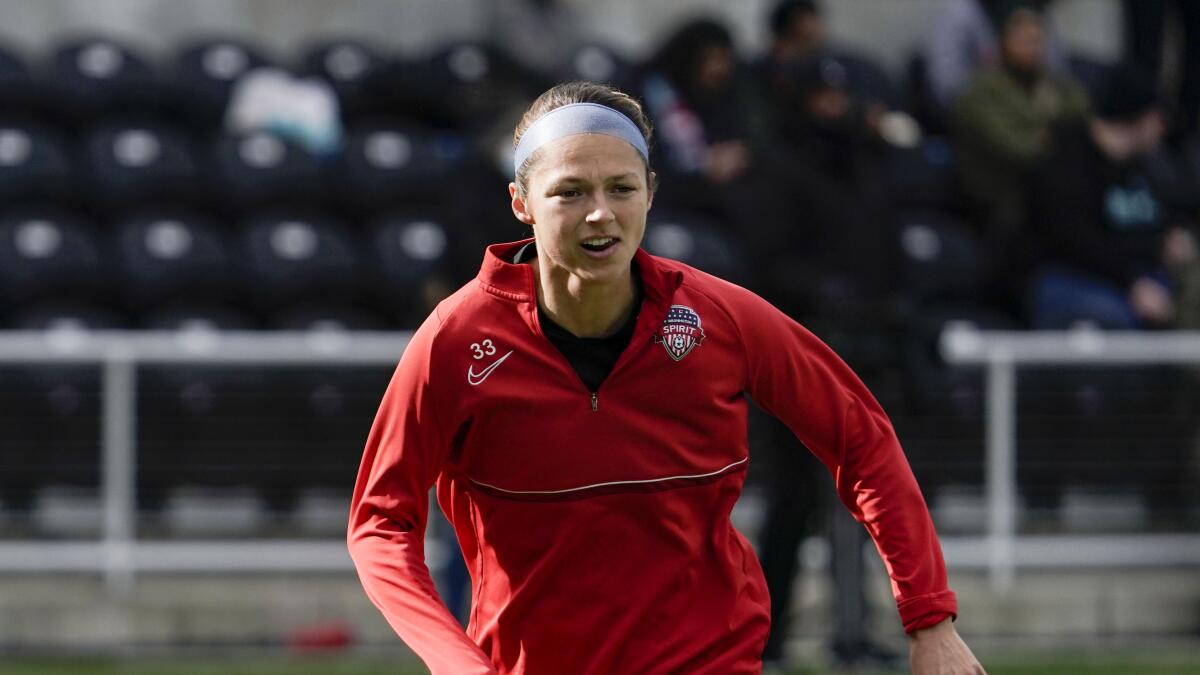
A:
{"x": 595, "y": 401}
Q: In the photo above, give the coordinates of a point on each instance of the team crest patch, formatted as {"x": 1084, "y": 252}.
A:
{"x": 681, "y": 331}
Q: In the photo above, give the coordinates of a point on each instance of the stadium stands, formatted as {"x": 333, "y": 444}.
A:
{"x": 125, "y": 201}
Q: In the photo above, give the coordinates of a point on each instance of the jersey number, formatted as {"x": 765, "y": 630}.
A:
{"x": 486, "y": 348}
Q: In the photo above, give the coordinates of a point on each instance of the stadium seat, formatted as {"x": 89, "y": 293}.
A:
{"x": 259, "y": 170}
{"x": 50, "y": 414}
{"x": 199, "y": 511}
{"x": 172, "y": 255}
{"x": 35, "y": 164}
{"x": 694, "y": 240}
{"x": 411, "y": 264}
{"x": 49, "y": 254}
{"x": 25, "y": 96}
{"x": 465, "y": 86}
{"x": 386, "y": 164}
{"x": 941, "y": 257}
{"x": 346, "y": 64}
{"x": 923, "y": 176}
{"x": 325, "y": 411}
{"x": 597, "y": 63}
{"x": 1125, "y": 428}
{"x": 95, "y": 77}
{"x": 941, "y": 421}
{"x": 292, "y": 257}
{"x": 11, "y": 64}
{"x": 195, "y": 422}
{"x": 203, "y": 73}
{"x": 132, "y": 165}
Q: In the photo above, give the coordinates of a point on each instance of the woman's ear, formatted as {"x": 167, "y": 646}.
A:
{"x": 519, "y": 208}
{"x": 651, "y": 188}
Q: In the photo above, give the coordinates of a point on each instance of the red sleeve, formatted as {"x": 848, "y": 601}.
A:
{"x": 386, "y": 536}
{"x": 797, "y": 378}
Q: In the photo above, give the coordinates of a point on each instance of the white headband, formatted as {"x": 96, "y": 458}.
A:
{"x": 578, "y": 118}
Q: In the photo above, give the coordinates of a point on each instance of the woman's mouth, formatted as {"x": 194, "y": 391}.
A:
{"x": 599, "y": 247}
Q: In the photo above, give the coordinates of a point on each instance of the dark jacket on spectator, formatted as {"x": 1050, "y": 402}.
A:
{"x": 1094, "y": 215}
{"x": 1002, "y": 130}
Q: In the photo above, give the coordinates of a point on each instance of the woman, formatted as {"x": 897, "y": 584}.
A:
{"x": 580, "y": 407}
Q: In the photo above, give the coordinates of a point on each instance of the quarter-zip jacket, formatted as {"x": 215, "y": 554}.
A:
{"x": 595, "y": 525}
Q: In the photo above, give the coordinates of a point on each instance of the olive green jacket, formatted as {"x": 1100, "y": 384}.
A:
{"x": 1001, "y": 130}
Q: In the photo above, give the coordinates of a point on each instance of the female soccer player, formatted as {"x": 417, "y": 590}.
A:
{"x": 580, "y": 406}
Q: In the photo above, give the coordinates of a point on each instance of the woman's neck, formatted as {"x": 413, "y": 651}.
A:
{"x": 585, "y": 309}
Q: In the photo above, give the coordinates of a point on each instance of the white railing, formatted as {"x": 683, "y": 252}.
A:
{"x": 1001, "y": 352}
{"x": 118, "y": 553}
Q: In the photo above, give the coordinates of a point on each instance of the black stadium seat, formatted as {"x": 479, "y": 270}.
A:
{"x": 50, "y": 414}
{"x": 48, "y": 254}
{"x": 941, "y": 422}
{"x": 696, "y": 241}
{"x": 344, "y": 63}
{"x": 597, "y": 63}
{"x": 464, "y": 86}
{"x": 23, "y": 94}
{"x": 11, "y": 64}
{"x": 193, "y": 420}
{"x": 168, "y": 256}
{"x": 35, "y": 164}
{"x": 923, "y": 176}
{"x": 203, "y": 73}
{"x": 411, "y": 262}
{"x": 1104, "y": 428}
{"x": 260, "y": 169}
{"x": 324, "y": 412}
{"x": 130, "y": 165}
{"x": 298, "y": 257}
{"x": 941, "y": 257}
{"x": 94, "y": 77}
{"x": 384, "y": 164}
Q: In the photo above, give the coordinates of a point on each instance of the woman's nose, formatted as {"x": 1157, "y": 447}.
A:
{"x": 600, "y": 211}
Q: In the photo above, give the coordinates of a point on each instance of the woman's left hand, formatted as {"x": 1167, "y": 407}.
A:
{"x": 938, "y": 650}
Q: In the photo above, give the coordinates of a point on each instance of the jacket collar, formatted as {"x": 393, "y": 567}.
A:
{"x": 516, "y": 282}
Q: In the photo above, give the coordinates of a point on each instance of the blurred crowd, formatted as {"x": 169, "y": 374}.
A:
{"x": 1046, "y": 189}
{"x": 1000, "y": 179}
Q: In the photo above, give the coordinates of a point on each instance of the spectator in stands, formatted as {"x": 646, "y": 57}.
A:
{"x": 711, "y": 136}
{"x": 690, "y": 89}
{"x": 1108, "y": 249}
{"x": 833, "y": 163}
{"x": 964, "y": 39}
{"x": 1002, "y": 123}
{"x": 799, "y": 35}
{"x": 556, "y": 24}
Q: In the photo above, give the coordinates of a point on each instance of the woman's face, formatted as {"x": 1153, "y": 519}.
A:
{"x": 587, "y": 200}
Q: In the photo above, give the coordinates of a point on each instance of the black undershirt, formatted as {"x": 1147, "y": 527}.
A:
{"x": 592, "y": 358}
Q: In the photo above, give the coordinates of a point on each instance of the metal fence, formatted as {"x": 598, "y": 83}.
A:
{"x": 1002, "y": 551}
{"x": 119, "y": 553}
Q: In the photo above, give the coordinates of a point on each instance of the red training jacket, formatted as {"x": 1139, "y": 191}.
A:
{"x": 596, "y": 524}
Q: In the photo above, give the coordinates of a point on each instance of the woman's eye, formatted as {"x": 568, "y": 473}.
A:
{"x": 568, "y": 193}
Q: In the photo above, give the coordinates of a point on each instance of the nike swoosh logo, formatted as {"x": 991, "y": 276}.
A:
{"x": 475, "y": 379}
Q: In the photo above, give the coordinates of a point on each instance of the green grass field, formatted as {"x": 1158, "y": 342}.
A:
{"x": 1123, "y": 662}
